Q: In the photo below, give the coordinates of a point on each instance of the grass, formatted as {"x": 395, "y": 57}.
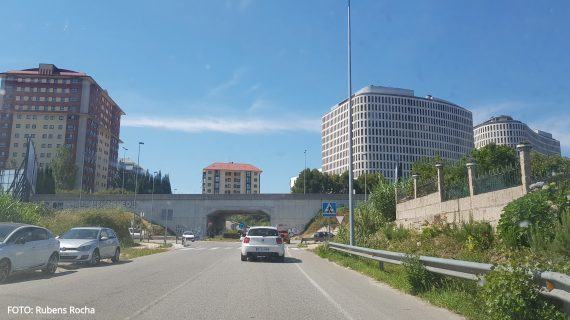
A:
{"x": 136, "y": 252}
{"x": 220, "y": 238}
{"x": 459, "y": 296}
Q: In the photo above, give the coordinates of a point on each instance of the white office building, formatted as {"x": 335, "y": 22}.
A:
{"x": 391, "y": 126}
{"x": 504, "y": 130}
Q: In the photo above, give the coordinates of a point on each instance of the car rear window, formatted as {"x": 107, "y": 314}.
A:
{"x": 263, "y": 232}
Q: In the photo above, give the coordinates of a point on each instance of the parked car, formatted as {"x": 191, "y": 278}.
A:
{"x": 262, "y": 242}
{"x": 187, "y": 237}
{"x": 135, "y": 233}
{"x": 25, "y": 247}
{"x": 323, "y": 236}
{"x": 90, "y": 245}
{"x": 285, "y": 235}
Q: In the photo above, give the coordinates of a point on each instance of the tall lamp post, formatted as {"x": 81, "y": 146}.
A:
{"x": 124, "y": 157}
{"x": 305, "y": 174}
{"x": 350, "y": 167}
{"x": 137, "y": 182}
{"x": 152, "y": 201}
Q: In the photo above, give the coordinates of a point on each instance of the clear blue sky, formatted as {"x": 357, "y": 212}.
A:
{"x": 247, "y": 81}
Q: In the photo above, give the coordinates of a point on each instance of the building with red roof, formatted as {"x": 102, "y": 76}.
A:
{"x": 60, "y": 108}
{"x": 231, "y": 178}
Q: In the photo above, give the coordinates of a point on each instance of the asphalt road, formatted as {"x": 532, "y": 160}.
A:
{"x": 208, "y": 281}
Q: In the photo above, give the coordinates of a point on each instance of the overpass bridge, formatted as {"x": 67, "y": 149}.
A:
{"x": 198, "y": 211}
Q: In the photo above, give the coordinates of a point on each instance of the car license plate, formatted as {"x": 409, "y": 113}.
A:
{"x": 261, "y": 249}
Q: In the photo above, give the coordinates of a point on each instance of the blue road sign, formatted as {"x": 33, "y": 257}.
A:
{"x": 241, "y": 225}
{"x": 329, "y": 209}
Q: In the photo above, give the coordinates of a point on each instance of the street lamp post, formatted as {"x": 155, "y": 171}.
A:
{"x": 350, "y": 167}
{"x": 136, "y": 182}
{"x": 124, "y": 157}
{"x": 305, "y": 174}
{"x": 152, "y": 202}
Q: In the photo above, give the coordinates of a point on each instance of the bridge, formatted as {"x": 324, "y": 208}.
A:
{"x": 198, "y": 211}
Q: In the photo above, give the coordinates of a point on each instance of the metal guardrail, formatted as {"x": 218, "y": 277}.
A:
{"x": 554, "y": 284}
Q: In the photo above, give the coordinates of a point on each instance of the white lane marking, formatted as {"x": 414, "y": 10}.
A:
{"x": 325, "y": 294}
{"x": 228, "y": 248}
{"x": 214, "y": 248}
{"x": 294, "y": 249}
{"x": 186, "y": 249}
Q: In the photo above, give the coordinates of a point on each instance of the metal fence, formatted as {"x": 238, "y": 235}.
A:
{"x": 556, "y": 285}
{"x": 427, "y": 186}
{"x": 497, "y": 180}
{"x": 456, "y": 190}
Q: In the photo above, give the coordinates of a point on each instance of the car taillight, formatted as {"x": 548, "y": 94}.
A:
{"x": 279, "y": 240}
{"x": 246, "y": 240}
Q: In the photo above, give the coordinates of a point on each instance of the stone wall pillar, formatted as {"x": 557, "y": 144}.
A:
{"x": 415, "y": 178}
{"x": 440, "y": 183}
{"x": 470, "y": 177}
{"x": 524, "y": 158}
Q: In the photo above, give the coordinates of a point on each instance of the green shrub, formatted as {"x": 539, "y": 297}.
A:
{"x": 535, "y": 210}
{"x": 394, "y": 232}
{"x": 116, "y": 219}
{"x": 418, "y": 277}
{"x": 511, "y": 293}
{"x": 232, "y": 234}
{"x": 476, "y": 235}
{"x": 12, "y": 210}
{"x": 556, "y": 242}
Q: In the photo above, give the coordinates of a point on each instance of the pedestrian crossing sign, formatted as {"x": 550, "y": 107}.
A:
{"x": 329, "y": 209}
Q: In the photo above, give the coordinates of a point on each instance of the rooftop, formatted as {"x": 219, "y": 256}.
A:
{"x": 47, "y": 69}
{"x": 232, "y": 166}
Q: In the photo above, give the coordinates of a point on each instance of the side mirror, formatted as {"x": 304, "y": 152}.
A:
{"x": 20, "y": 240}
{"x": 103, "y": 238}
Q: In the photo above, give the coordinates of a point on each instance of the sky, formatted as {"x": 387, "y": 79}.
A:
{"x": 247, "y": 81}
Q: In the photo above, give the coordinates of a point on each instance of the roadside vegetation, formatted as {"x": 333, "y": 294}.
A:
{"x": 533, "y": 234}
{"x": 58, "y": 222}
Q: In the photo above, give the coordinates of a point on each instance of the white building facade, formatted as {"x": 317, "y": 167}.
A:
{"x": 391, "y": 126}
{"x": 504, "y": 130}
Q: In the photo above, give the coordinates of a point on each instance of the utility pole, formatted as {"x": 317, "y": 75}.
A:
{"x": 305, "y": 174}
{"x": 350, "y": 167}
{"x": 124, "y": 157}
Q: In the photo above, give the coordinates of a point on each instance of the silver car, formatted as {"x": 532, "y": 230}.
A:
{"x": 24, "y": 247}
{"x": 89, "y": 244}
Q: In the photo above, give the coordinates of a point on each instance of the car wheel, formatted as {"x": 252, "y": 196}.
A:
{"x": 95, "y": 258}
{"x": 117, "y": 255}
{"x": 4, "y": 270}
{"x": 243, "y": 258}
{"x": 51, "y": 266}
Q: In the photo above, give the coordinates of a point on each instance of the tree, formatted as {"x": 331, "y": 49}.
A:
{"x": 64, "y": 169}
{"x": 45, "y": 183}
{"x": 371, "y": 180}
{"x": 493, "y": 157}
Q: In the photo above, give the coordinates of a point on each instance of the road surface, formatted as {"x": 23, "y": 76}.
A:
{"x": 208, "y": 281}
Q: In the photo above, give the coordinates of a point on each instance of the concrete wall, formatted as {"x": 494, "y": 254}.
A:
{"x": 481, "y": 207}
{"x": 190, "y": 211}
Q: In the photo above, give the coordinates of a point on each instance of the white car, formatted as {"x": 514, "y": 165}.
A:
{"x": 24, "y": 247}
{"x": 90, "y": 244}
{"x": 262, "y": 242}
{"x": 187, "y": 237}
{"x": 135, "y": 233}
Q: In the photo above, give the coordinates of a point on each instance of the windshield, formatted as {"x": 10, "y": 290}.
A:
{"x": 5, "y": 230}
{"x": 80, "y": 234}
{"x": 187, "y": 233}
{"x": 263, "y": 232}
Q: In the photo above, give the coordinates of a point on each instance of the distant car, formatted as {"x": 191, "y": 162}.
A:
{"x": 25, "y": 247}
{"x": 187, "y": 237}
{"x": 285, "y": 235}
{"x": 262, "y": 242}
{"x": 135, "y": 233}
{"x": 90, "y": 245}
{"x": 322, "y": 236}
